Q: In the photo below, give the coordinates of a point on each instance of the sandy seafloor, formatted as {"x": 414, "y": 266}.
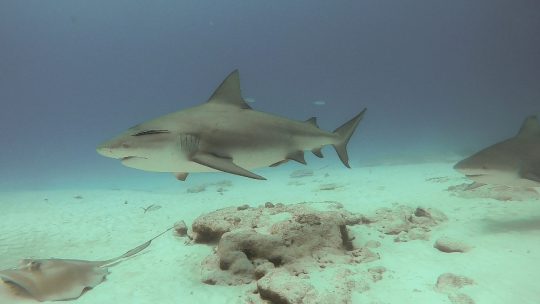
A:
{"x": 504, "y": 234}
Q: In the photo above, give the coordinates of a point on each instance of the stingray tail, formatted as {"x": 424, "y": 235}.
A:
{"x": 344, "y": 134}
{"x": 132, "y": 252}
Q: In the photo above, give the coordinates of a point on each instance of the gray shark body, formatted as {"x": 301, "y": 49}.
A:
{"x": 514, "y": 162}
{"x": 223, "y": 134}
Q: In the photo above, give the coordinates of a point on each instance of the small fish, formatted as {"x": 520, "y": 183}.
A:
{"x": 152, "y": 207}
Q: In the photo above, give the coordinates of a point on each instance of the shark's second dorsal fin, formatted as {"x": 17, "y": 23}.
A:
{"x": 530, "y": 127}
{"x": 312, "y": 121}
{"x": 229, "y": 93}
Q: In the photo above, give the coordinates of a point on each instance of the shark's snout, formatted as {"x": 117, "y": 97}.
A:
{"x": 471, "y": 167}
{"x": 105, "y": 151}
{"x": 114, "y": 149}
{"x": 461, "y": 167}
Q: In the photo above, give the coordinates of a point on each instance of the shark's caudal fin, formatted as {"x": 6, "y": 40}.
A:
{"x": 345, "y": 132}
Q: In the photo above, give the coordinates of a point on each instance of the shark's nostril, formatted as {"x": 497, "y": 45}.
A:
{"x": 105, "y": 151}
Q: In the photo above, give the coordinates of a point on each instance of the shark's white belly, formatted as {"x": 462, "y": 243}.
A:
{"x": 172, "y": 160}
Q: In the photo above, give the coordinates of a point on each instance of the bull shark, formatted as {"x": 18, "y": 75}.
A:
{"x": 224, "y": 134}
{"x": 514, "y": 162}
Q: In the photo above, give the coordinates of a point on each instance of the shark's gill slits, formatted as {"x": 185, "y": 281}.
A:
{"x": 149, "y": 132}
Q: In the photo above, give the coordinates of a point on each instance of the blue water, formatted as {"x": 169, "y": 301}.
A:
{"x": 437, "y": 76}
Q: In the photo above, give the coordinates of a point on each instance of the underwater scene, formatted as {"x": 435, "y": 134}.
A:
{"x": 287, "y": 152}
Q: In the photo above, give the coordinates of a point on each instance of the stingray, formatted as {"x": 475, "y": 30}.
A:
{"x": 63, "y": 279}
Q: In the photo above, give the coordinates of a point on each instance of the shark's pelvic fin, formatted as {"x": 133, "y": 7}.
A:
{"x": 297, "y": 156}
{"x": 222, "y": 164}
{"x": 530, "y": 127}
{"x": 181, "y": 176}
{"x": 344, "y": 133}
{"x": 312, "y": 121}
{"x": 229, "y": 92}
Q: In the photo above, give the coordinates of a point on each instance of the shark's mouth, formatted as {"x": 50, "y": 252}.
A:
{"x": 131, "y": 157}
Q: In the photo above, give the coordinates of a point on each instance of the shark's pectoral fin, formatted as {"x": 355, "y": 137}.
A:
{"x": 181, "y": 176}
{"x": 222, "y": 164}
{"x": 297, "y": 156}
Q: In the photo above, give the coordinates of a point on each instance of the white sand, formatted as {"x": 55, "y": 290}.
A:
{"x": 504, "y": 261}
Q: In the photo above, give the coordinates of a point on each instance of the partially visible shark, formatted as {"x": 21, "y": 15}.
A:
{"x": 514, "y": 162}
{"x": 224, "y": 134}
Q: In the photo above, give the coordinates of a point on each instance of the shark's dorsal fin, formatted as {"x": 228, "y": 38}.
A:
{"x": 228, "y": 92}
{"x": 530, "y": 127}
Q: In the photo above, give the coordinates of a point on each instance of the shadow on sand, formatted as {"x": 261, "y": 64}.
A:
{"x": 513, "y": 225}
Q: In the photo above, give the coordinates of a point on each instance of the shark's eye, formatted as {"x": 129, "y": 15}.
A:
{"x": 149, "y": 132}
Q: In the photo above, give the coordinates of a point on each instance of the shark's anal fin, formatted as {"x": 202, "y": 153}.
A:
{"x": 222, "y": 164}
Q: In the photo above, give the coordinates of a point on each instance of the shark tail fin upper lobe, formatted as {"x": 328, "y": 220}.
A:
{"x": 344, "y": 133}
